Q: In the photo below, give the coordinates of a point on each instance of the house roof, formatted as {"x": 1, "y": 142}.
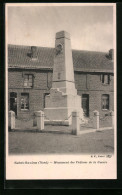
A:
{"x": 85, "y": 61}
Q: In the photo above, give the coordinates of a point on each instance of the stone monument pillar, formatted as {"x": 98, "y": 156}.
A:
{"x": 63, "y": 98}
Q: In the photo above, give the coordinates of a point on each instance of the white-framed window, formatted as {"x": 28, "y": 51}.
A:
{"x": 105, "y": 79}
{"x": 28, "y": 80}
{"x": 105, "y": 102}
{"x": 24, "y": 101}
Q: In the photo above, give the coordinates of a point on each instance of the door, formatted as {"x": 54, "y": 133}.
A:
{"x": 45, "y": 98}
{"x": 13, "y": 102}
{"x": 85, "y": 104}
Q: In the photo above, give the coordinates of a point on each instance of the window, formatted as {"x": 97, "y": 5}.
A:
{"x": 105, "y": 79}
{"x": 24, "y": 101}
{"x": 28, "y": 80}
{"x": 105, "y": 102}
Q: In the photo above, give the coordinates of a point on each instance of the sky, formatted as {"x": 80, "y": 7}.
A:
{"x": 90, "y": 27}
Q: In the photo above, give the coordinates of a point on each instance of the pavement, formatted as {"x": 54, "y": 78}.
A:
{"x": 55, "y": 140}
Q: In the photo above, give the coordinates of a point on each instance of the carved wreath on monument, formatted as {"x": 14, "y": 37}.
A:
{"x": 59, "y": 48}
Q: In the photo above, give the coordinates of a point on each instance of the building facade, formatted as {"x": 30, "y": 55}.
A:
{"x": 30, "y": 72}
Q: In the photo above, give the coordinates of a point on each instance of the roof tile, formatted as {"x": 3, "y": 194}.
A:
{"x": 19, "y": 57}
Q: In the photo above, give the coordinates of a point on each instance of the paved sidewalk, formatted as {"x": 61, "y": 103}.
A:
{"x": 28, "y": 127}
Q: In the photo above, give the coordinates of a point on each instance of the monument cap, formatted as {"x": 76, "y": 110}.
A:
{"x": 62, "y": 34}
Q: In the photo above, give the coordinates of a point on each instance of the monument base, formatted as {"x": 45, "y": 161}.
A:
{"x": 59, "y": 106}
{"x": 61, "y": 116}
{"x": 57, "y": 122}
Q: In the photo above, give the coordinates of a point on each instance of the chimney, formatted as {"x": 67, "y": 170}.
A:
{"x": 33, "y": 52}
{"x": 111, "y": 54}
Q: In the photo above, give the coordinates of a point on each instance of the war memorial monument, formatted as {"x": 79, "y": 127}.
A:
{"x": 63, "y": 98}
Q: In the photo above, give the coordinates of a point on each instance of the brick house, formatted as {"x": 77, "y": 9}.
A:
{"x": 30, "y": 72}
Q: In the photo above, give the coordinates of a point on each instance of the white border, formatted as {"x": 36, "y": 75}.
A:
{"x": 57, "y": 171}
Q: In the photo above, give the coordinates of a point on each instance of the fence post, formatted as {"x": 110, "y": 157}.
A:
{"x": 96, "y": 120}
{"x": 11, "y": 120}
{"x": 75, "y": 123}
{"x": 112, "y": 116}
{"x": 40, "y": 119}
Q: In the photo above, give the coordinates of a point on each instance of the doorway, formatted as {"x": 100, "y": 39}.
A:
{"x": 45, "y": 98}
{"x": 85, "y": 104}
{"x": 13, "y": 102}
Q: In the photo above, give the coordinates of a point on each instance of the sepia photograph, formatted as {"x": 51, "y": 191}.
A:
{"x": 61, "y": 81}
